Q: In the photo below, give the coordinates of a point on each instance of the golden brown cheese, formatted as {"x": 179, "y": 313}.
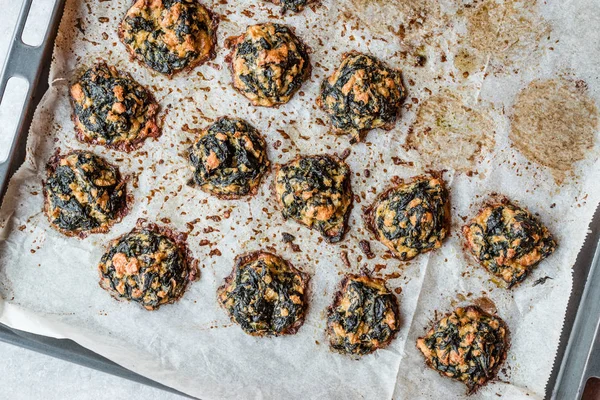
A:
{"x": 362, "y": 94}
{"x": 410, "y": 218}
{"x": 268, "y": 64}
{"x": 150, "y": 265}
{"x": 364, "y": 316}
{"x": 315, "y": 192}
{"x": 468, "y": 345}
{"x": 229, "y": 159}
{"x": 83, "y": 194}
{"x": 113, "y": 110}
{"x": 169, "y": 35}
{"x": 508, "y": 241}
{"x": 265, "y": 295}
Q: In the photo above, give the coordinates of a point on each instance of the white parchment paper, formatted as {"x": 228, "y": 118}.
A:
{"x": 49, "y": 284}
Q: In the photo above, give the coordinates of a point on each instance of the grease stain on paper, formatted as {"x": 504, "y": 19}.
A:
{"x": 411, "y": 20}
{"x": 554, "y": 124}
{"x": 448, "y": 134}
{"x": 502, "y": 33}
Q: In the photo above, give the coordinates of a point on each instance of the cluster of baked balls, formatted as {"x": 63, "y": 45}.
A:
{"x": 265, "y": 294}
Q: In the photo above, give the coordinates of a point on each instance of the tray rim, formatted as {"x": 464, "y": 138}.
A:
{"x": 586, "y": 272}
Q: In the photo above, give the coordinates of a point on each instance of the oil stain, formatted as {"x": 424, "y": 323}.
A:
{"x": 553, "y": 123}
{"x": 450, "y": 135}
{"x": 468, "y": 62}
{"x": 502, "y": 33}
{"x": 411, "y": 20}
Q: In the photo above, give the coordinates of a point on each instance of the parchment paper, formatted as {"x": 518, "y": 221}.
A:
{"x": 49, "y": 283}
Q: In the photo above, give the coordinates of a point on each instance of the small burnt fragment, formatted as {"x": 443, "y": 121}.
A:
{"x": 287, "y": 237}
{"x": 112, "y": 110}
{"x": 508, "y": 241}
{"x": 468, "y": 345}
{"x": 362, "y": 94}
{"x": 364, "y": 316}
{"x": 315, "y": 192}
{"x": 410, "y": 218}
{"x": 292, "y": 5}
{"x": 541, "y": 281}
{"x": 150, "y": 265}
{"x": 83, "y": 194}
{"x": 365, "y": 247}
{"x": 268, "y": 64}
{"x": 229, "y": 159}
{"x": 169, "y": 35}
{"x": 265, "y": 295}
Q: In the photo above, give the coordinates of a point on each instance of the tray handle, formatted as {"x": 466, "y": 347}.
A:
{"x": 26, "y": 62}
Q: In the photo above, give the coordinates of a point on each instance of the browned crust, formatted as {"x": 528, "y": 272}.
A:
{"x": 339, "y": 294}
{"x": 80, "y": 234}
{"x": 494, "y": 199}
{"x": 507, "y": 344}
{"x": 233, "y": 41}
{"x": 214, "y": 24}
{"x": 250, "y": 194}
{"x": 252, "y": 256}
{"x": 368, "y": 213}
{"x": 154, "y": 131}
{"x": 347, "y": 186}
{"x": 180, "y": 240}
{"x": 254, "y": 189}
{"x": 363, "y": 132}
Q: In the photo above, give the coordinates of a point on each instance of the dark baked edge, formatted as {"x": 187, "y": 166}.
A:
{"x": 180, "y": 240}
{"x": 81, "y": 234}
{"x": 249, "y": 257}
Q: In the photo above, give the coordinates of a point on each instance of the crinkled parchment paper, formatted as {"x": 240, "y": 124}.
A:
{"x": 501, "y": 95}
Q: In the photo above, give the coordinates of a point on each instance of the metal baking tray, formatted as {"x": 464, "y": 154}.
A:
{"x": 578, "y": 357}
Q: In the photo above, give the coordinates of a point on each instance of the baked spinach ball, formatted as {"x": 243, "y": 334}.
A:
{"x": 291, "y": 5}
{"x": 265, "y": 295}
{"x": 150, "y": 265}
{"x": 112, "y": 110}
{"x": 169, "y": 36}
{"x": 468, "y": 345}
{"x": 508, "y": 241}
{"x": 362, "y": 94}
{"x": 410, "y": 218}
{"x": 364, "y": 316}
{"x": 229, "y": 159}
{"x": 268, "y": 64}
{"x": 83, "y": 194}
{"x": 315, "y": 192}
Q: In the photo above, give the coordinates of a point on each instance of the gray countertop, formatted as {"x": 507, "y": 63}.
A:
{"x": 25, "y": 374}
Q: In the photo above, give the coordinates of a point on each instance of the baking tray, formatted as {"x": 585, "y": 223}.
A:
{"x": 578, "y": 357}
{"x": 32, "y": 63}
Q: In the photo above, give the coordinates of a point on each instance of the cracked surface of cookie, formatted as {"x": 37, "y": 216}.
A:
{"x": 269, "y": 64}
{"x": 468, "y": 345}
{"x": 265, "y": 295}
{"x": 229, "y": 159}
{"x": 364, "y": 316}
{"x": 410, "y": 218}
{"x": 83, "y": 194}
{"x": 362, "y": 94}
{"x": 315, "y": 192}
{"x": 113, "y": 110}
{"x": 508, "y": 241}
{"x": 150, "y": 265}
{"x": 169, "y": 36}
